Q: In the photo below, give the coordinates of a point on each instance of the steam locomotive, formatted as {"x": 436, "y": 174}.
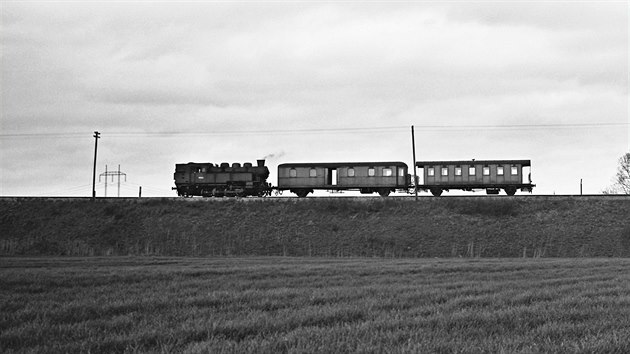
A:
{"x": 224, "y": 180}
{"x": 219, "y": 180}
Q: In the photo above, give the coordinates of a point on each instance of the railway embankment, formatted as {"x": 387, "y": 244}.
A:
{"x": 362, "y": 227}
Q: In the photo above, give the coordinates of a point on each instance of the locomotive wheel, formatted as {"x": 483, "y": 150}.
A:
{"x": 436, "y": 191}
{"x": 511, "y": 190}
{"x": 384, "y": 192}
{"x": 263, "y": 193}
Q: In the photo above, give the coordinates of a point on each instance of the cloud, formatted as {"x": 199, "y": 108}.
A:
{"x": 136, "y": 67}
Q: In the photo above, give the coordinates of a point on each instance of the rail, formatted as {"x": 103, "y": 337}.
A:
{"x": 337, "y": 197}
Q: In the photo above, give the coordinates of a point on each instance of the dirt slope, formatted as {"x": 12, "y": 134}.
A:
{"x": 430, "y": 227}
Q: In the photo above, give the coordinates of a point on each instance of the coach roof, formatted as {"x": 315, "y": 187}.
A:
{"x": 342, "y": 164}
{"x": 474, "y": 162}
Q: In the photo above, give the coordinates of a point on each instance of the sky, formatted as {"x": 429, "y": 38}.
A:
{"x": 308, "y": 81}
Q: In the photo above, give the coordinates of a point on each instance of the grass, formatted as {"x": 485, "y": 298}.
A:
{"x": 153, "y": 304}
{"x": 367, "y": 227}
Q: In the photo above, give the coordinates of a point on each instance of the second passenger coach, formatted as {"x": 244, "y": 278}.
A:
{"x": 365, "y": 177}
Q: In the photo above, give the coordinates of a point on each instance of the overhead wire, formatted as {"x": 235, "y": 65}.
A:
{"x": 70, "y": 190}
{"x": 354, "y": 130}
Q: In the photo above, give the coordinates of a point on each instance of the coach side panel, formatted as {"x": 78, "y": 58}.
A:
{"x": 473, "y": 174}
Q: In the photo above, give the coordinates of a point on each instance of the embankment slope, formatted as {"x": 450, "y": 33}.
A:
{"x": 363, "y": 227}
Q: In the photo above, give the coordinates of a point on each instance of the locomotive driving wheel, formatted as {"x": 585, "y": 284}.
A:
{"x": 263, "y": 193}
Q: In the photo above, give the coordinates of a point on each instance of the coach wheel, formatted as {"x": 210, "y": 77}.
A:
{"x": 384, "y": 192}
{"x": 436, "y": 192}
{"x": 301, "y": 193}
{"x": 510, "y": 190}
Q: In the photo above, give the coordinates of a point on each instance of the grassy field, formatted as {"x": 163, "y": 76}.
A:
{"x": 149, "y": 304}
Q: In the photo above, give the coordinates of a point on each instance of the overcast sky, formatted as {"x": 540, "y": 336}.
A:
{"x": 173, "y": 82}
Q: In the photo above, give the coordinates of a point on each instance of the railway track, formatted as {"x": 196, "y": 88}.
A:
{"x": 553, "y": 197}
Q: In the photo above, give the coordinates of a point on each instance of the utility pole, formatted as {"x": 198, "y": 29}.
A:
{"x": 97, "y": 136}
{"x": 415, "y": 178}
{"x": 112, "y": 173}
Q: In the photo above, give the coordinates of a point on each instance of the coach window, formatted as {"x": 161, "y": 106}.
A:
{"x": 444, "y": 171}
{"x": 401, "y": 171}
{"x": 486, "y": 170}
{"x": 514, "y": 170}
{"x": 387, "y": 172}
{"x": 431, "y": 171}
{"x": 371, "y": 172}
{"x": 293, "y": 172}
{"x": 500, "y": 171}
{"x": 351, "y": 172}
{"x": 472, "y": 171}
{"x": 458, "y": 171}
{"x": 313, "y": 173}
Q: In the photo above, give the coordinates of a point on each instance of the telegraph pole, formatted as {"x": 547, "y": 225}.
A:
{"x": 97, "y": 136}
{"x": 415, "y": 178}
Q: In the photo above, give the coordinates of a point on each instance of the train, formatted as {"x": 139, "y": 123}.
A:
{"x": 244, "y": 180}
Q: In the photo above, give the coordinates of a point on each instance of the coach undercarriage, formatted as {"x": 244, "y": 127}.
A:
{"x": 490, "y": 189}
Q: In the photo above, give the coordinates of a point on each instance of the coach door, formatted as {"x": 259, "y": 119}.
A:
{"x": 331, "y": 176}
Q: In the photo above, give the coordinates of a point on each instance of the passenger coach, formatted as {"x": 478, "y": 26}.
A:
{"x": 366, "y": 177}
{"x": 491, "y": 175}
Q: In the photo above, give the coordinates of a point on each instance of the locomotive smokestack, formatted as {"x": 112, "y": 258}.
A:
{"x": 261, "y": 163}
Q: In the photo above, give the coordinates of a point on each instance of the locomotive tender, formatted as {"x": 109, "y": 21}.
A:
{"x": 210, "y": 180}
